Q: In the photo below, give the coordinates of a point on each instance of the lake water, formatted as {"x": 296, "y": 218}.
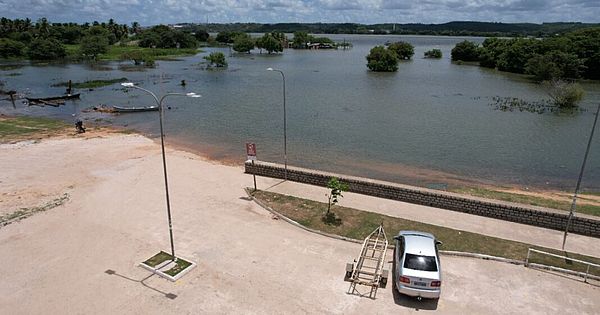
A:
{"x": 430, "y": 123}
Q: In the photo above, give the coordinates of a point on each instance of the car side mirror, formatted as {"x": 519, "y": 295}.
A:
{"x": 438, "y": 243}
{"x": 396, "y": 237}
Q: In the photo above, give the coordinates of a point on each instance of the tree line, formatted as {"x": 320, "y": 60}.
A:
{"x": 456, "y": 28}
{"x": 43, "y": 40}
{"x": 572, "y": 55}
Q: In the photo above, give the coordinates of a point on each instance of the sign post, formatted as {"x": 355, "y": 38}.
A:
{"x": 251, "y": 153}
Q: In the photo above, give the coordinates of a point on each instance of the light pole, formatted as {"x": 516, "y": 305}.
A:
{"x": 284, "y": 123}
{"x": 587, "y": 151}
{"x": 162, "y": 146}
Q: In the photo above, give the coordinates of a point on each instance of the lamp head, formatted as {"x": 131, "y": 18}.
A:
{"x": 127, "y": 84}
{"x": 192, "y": 94}
{"x": 269, "y": 69}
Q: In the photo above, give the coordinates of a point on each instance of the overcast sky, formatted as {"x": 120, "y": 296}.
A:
{"x": 150, "y": 12}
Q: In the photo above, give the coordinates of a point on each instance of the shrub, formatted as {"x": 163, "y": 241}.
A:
{"x": 465, "y": 51}
{"x": 565, "y": 94}
{"x": 434, "y": 53}
{"x": 381, "y": 59}
{"x": 403, "y": 50}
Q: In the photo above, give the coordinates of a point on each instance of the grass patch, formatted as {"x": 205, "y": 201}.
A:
{"x": 158, "y": 259}
{"x": 530, "y": 200}
{"x": 161, "y": 257}
{"x": 180, "y": 266}
{"x": 21, "y": 127}
{"x": 359, "y": 224}
{"x": 116, "y": 51}
{"x": 91, "y": 83}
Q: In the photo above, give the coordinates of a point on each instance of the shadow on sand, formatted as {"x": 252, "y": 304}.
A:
{"x": 167, "y": 295}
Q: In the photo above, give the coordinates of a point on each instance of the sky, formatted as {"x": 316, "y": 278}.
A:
{"x": 151, "y": 12}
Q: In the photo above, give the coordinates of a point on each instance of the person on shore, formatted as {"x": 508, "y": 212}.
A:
{"x": 79, "y": 126}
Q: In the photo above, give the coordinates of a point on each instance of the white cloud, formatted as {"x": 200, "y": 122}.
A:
{"x": 149, "y": 12}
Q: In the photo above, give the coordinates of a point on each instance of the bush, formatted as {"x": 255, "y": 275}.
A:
{"x": 434, "y": 53}
{"x": 565, "y": 94}
{"x": 243, "y": 43}
{"x": 465, "y": 51}
{"x": 381, "y": 59}
{"x": 270, "y": 43}
{"x": 11, "y": 48}
{"x": 217, "y": 59}
{"x": 46, "y": 49}
{"x": 403, "y": 50}
{"x": 93, "y": 46}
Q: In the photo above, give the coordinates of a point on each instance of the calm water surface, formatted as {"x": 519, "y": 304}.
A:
{"x": 430, "y": 122}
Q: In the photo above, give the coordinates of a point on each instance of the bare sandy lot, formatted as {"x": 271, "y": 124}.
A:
{"x": 56, "y": 262}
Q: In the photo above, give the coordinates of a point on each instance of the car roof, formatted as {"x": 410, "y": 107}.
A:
{"x": 418, "y": 243}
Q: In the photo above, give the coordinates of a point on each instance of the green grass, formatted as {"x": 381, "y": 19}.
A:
{"x": 115, "y": 52}
{"x": 530, "y": 200}
{"x": 359, "y": 224}
{"x": 158, "y": 259}
{"x": 180, "y": 264}
{"x": 91, "y": 83}
{"x": 17, "y": 127}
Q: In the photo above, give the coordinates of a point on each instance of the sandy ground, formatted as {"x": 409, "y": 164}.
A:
{"x": 56, "y": 262}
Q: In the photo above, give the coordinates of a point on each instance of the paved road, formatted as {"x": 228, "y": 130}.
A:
{"x": 56, "y": 261}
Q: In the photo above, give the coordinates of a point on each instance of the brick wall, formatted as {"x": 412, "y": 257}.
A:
{"x": 439, "y": 199}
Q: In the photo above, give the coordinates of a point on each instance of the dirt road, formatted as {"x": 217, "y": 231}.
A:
{"x": 57, "y": 261}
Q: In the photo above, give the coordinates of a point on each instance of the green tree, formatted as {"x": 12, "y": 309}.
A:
{"x": 269, "y": 43}
{"x": 336, "y": 188}
{"x": 301, "y": 39}
{"x": 216, "y": 59}
{"x": 381, "y": 59}
{"x": 93, "y": 45}
{"x": 465, "y": 51}
{"x": 243, "y": 43}
{"x": 403, "y": 50}
{"x": 11, "y": 48}
{"x": 46, "y": 49}
{"x": 227, "y": 37}
{"x": 433, "y": 53}
{"x": 201, "y": 35}
{"x": 516, "y": 54}
{"x": 554, "y": 65}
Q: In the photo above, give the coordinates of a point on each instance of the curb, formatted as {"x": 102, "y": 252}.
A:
{"x": 443, "y": 252}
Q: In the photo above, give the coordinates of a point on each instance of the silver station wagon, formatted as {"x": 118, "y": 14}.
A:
{"x": 417, "y": 269}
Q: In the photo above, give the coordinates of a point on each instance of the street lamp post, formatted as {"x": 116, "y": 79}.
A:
{"x": 159, "y": 102}
{"x": 284, "y": 123}
{"x": 585, "y": 156}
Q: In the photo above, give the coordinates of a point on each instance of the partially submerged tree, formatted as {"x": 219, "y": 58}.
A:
{"x": 565, "y": 94}
{"x": 403, "y": 50}
{"x": 465, "y": 51}
{"x": 243, "y": 43}
{"x": 270, "y": 43}
{"x": 216, "y": 59}
{"x": 381, "y": 59}
{"x": 434, "y": 53}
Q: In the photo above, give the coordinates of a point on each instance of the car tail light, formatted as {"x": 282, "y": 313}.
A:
{"x": 404, "y": 279}
{"x": 436, "y": 283}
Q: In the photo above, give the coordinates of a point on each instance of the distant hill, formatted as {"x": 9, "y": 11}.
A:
{"x": 456, "y": 28}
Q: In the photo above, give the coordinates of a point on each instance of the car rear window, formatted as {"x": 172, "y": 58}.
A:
{"x": 418, "y": 262}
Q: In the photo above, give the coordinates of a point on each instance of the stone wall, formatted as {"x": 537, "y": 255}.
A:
{"x": 531, "y": 215}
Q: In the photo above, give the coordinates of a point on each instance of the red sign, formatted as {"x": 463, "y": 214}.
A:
{"x": 251, "y": 150}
